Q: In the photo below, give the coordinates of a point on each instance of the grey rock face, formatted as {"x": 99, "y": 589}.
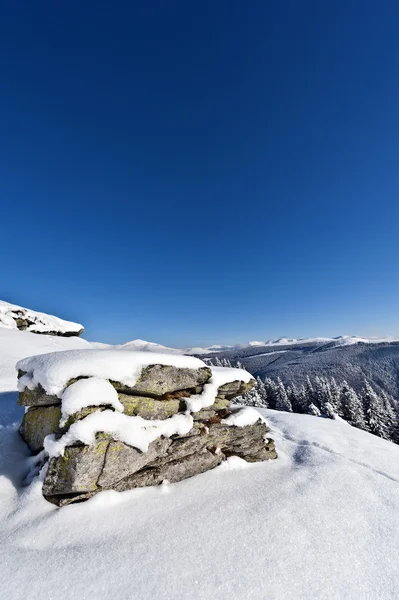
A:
{"x": 235, "y": 388}
{"x": 157, "y": 380}
{"x": 122, "y": 460}
{"x": 37, "y": 397}
{"x": 115, "y": 465}
{"x": 173, "y": 471}
{"x": 39, "y": 422}
{"x": 207, "y": 413}
{"x": 76, "y": 472}
{"x": 238, "y": 441}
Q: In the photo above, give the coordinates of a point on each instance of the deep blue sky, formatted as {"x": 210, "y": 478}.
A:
{"x": 202, "y": 172}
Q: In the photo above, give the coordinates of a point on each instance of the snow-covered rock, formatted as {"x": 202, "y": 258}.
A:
{"x": 96, "y": 445}
{"x": 24, "y": 319}
{"x": 132, "y": 372}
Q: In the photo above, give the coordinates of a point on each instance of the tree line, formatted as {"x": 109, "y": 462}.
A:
{"x": 372, "y": 411}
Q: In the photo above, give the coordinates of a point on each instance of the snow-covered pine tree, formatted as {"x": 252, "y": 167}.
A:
{"x": 376, "y": 417}
{"x": 218, "y": 362}
{"x": 335, "y": 395}
{"x": 352, "y": 409}
{"x": 292, "y": 393}
{"x": 252, "y": 398}
{"x": 262, "y": 391}
{"x": 282, "y": 400}
{"x": 319, "y": 393}
{"x": 310, "y": 394}
{"x": 323, "y": 397}
{"x": 313, "y": 410}
{"x": 395, "y": 428}
{"x": 239, "y": 365}
{"x": 302, "y": 401}
{"x": 226, "y": 363}
{"x": 270, "y": 387}
{"x": 391, "y": 412}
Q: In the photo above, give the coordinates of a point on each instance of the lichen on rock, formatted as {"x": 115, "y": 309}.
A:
{"x": 37, "y": 423}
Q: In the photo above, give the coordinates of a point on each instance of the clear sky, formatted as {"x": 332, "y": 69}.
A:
{"x": 202, "y": 172}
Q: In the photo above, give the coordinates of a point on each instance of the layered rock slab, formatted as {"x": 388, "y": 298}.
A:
{"x": 163, "y": 422}
{"x": 111, "y": 464}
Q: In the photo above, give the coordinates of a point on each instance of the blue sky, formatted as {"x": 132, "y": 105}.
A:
{"x": 196, "y": 173}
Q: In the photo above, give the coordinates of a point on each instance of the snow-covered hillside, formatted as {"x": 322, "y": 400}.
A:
{"x": 322, "y": 521}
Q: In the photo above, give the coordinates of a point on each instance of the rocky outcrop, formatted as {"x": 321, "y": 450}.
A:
{"x": 24, "y": 319}
{"x": 163, "y": 382}
{"x": 160, "y": 394}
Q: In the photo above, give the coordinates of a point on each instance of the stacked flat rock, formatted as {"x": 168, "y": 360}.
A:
{"x": 135, "y": 421}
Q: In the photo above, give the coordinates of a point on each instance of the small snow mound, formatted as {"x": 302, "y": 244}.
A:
{"x": 93, "y": 391}
{"x": 234, "y": 463}
{"x": 243, "y": 417}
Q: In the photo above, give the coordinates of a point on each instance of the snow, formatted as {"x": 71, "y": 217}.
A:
{"x": 271, "y": 352}
{"x": 93, "y": 391}
{"x": 15, "y": 345}
{"x": 220, "y": 376}
{"x": 320, "y": 522}
{"x": 144, "y": 346}
{"x": 243, "y": 416}
{"x": 42, "y": 323}
{"x": 348, "y": 340}
{"x": 53, "y": 371}
{"x": 140, "y": 346}
{"x": 134, "y": 431}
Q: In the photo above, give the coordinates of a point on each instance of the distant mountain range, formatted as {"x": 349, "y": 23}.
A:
{"x": 350, "y": 358}
{"x": 343, "y": 340}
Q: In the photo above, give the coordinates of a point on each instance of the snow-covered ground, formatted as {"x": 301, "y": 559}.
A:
{"x": 322, "y": 521}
